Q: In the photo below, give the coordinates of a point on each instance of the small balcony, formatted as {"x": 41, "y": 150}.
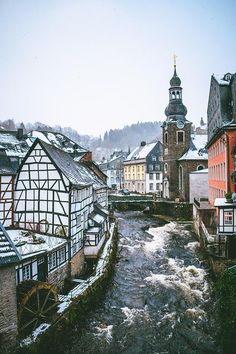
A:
{"x": 94, "y": 240}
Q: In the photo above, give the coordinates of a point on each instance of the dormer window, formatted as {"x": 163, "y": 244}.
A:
{"x": 227, "y": 77}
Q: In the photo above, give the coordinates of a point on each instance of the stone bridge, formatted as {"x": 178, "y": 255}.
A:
{"x": 180, "y": 210}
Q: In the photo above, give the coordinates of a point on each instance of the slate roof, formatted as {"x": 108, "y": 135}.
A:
{"x": 5, "y": 163}
{"x": 90, "y": 177}
{"x": 221, "y": 81}
{"x": 72, "y": 170}
{"x": 13, "y": 145}
{"x": 8, "y": 252}
{"x": 141, "y": 152}
{"x": 97, "y": 218}
{"x": 100, "y": 209}
{"x": 58, "y": 140}
{"x": 197, "y": 150}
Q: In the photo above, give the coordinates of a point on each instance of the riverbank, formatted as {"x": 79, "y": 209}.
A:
{"x": 76, "y": 306}
{"x": 159, "y": 298}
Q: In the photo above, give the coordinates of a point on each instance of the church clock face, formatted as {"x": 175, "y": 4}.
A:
{"x": 180, "y": 124}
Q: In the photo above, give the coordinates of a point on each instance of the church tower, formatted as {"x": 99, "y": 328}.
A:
{"x": 176, "y": 139}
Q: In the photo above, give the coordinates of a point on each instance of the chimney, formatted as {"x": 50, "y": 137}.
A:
{"x": 143, "y": 143}
{"x": 19, "y": 133}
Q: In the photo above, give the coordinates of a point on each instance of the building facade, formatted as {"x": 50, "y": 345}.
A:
{"x": 222, "y": 159}
{"x": 55, "y": 210}
{"x": 143, "y": 169}
{"x": 113, "y": 168}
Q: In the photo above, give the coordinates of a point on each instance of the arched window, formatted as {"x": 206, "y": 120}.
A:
{"x": 165, "y": 167}
{"x": 181, "y": 178}
{"x": 200, "y": 167}
{"x": 166, "y": 138}
{"x": 177, "y": 95}
{"x": 173, "y": 94}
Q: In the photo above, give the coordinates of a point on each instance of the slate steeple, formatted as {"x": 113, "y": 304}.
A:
{"x": 175, "y": 110}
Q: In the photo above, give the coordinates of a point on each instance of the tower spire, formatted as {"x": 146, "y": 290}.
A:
{"x": 175, "y": 57}
{"x": 175, "y": 109}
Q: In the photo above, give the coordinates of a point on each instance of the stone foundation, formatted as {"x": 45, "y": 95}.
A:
{"x": 58, "y": 276}
{"x": 77, "y": 263}
{"x": 8, "y": 309}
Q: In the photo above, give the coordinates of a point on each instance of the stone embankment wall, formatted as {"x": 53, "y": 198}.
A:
{"x": 8, "y": 310}
{"x": 77, "y": 311}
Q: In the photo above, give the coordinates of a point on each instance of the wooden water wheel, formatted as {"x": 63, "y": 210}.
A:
{"x": 37, "y": 303}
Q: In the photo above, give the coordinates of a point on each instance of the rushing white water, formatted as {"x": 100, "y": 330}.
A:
{"x": 158, "y": 300}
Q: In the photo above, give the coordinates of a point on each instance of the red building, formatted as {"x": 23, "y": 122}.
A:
{"x": 222, "y": 160}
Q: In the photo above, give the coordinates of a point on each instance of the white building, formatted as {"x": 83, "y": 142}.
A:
{"x": 198, "y": 185}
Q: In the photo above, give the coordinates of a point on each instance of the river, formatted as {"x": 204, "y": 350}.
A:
{"x": 160, "y": 298}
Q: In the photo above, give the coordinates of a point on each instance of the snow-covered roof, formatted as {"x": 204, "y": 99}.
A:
{"x": 59, "y": 140}
{"x": 25, "y": 246}
{"x": 203, "y": 171}
{"x": 90, "y": 177}
{"x": 71, "y": 169}
{"x": 140, "y": 152}
{"x": 100, "y": 209}
{"x": 221, "y": 202}
{"x": 78, "y": 173}
{"x": 14, "y": 147}
{"x": 220, "y": 80}
{"x": 8, "y": 252}
{"x": 197, "y": 150}
{"x": 93, "y": 230}
{"x": 5, "y": 164}
{"x": 99, "y": 219}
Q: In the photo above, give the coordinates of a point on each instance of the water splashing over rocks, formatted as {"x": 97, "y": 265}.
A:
{"x": 159, "y": 301}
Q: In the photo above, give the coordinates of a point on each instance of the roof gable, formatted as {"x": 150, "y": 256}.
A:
{"x": 141, "y": 152}
{"x": 58, "y": 140}
{"x": 8, "y": 252}
{"x": 62, "y": 161}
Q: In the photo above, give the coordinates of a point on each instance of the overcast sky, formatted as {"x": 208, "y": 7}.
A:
{"x": 95, "y": 65}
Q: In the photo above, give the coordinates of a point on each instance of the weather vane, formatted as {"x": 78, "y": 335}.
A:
{"x": 174, "y": 56}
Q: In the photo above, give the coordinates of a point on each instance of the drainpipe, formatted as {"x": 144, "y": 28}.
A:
{"x": 227, "y": 164}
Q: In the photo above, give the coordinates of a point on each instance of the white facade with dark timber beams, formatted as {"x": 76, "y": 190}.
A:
{"x": 54, "y": 208}
{"x": 7, "y": 176}
{"x": 51, "y": 196}
{"x": 55, "y": 196}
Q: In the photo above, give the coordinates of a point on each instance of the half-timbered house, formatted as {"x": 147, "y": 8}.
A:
{"x": 7, "y": 175}
{"x": 55, "y": 196}
{"x": 62, "y": 142}
{"x": 54, "y": 208}
{"x": 52, "y": 198}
